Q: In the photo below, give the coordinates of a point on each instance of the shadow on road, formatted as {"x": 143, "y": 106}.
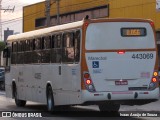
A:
{"x": 76, "y": 112}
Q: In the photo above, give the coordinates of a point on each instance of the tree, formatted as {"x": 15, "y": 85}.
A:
{"x": 2, "y": 45}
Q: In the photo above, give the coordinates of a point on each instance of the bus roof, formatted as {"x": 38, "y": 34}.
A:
{"x": 36, "y": 33}
{"x": 49, "y": 30}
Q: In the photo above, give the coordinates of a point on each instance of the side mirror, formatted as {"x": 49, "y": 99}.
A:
{"x": 6, "y": 53}
{"x": 6, "y": 59}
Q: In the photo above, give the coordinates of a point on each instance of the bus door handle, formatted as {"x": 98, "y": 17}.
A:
{"x": 59, "y": 70}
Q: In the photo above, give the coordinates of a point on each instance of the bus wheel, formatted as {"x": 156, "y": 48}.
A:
{"x": 19, "y": 103}
{"x": 50, "y": 99}
{"x": 109, "y": 107}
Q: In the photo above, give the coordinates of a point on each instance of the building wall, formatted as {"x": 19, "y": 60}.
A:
{"x": 135, "y": 9}
{"x": 117, "y": 8}
{"x": 37, "y": 11}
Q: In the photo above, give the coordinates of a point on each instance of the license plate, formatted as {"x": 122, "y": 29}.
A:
{"x": 124, "y": 82}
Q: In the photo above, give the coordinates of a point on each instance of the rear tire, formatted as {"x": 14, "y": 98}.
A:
{"x": 110, "y": 107}
{"x": 50, "y": 99}
{"x": 19, "y": 103}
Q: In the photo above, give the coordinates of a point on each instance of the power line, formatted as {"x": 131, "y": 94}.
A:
{"x": 38, "y": 12}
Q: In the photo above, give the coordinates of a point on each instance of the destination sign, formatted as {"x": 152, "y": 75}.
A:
{"x": 131, "y": 32}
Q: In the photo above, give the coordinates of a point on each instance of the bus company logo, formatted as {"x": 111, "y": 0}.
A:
{"x": 95, "y": 64}
{"x": 6, "y": 114}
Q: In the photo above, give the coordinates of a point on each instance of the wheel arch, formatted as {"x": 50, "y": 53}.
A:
{"x": 13, "y": 88}
{"x": 47, "y": 85}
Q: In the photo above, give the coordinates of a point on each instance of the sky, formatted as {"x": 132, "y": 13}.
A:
{"x": 13, "y": 21}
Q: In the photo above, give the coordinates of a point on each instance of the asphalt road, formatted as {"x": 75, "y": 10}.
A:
{"x": 77, "y": 112}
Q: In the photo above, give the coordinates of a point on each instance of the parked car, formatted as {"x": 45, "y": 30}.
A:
{"x": 2, "y": 78}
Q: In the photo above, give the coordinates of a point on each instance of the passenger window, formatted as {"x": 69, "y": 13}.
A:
{"x": 14, "y": 46}
{"x": 46, "y": 42}
{"x": 28, "y": 45}
{"x": 52, "y": 41}
{"x": 77, "y": 39}
{"x": 58, "y": 41}
{"x": 14, "y": 53}
{"x": 37, "y": 43}
{"x": 68, "y": 48}
{"x": 46, "y": 45}
{"x": 56, "y": 51}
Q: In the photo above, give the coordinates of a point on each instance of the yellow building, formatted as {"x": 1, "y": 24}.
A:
{"x": 70, "y": 11}
{"x": 74, "y": 10}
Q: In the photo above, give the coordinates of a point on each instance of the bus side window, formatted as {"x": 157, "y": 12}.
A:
{"x": 56, "y": 49}
{"x": 37, "y": 43}
{"x": 36, "y": 58}
{"x": 45, "y": 54}
{"x": 46, "y": 42}
{"x": 20, "y": 53}
{"x": 14, "y": 53}
{"x": 28, "y": 52}
{"x": 58, "y": 41}
{"x": 15, "y": 47}
{"x": 52, "y": 41}
{"x": 77, "y": 38}
{"x": 68, "y": 49}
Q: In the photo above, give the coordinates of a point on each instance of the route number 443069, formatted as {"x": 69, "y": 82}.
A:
{"x": 143, "y": 56}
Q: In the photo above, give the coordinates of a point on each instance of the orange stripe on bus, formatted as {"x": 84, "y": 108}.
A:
{"x": 126, "y": 50}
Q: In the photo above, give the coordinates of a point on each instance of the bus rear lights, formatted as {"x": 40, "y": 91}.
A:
{"x": 88, "y": 82}
{"x": 121, "y": 52}
{"x": 154, "y": 79}
{"x": 152, "y": 24}
{"x": 86, "y": 75}
{"x": 155, "y": 74}
{"x": 86, "y": 24}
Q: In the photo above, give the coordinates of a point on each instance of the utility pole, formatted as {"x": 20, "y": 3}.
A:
{"x": 48, "y": 7}
{"x": 57, "y": 4}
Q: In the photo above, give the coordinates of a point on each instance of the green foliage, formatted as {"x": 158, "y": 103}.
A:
{"x": 2, "y": 45}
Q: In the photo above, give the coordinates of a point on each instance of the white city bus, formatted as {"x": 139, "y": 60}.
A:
{"x": 105, "y": 62}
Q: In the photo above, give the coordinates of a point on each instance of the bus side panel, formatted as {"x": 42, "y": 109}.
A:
{"x": 8, "y": 85}
{"x": 28, "y": 78}
{"x": 70, "y": 86}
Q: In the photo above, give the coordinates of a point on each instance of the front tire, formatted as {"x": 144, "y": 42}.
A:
{"x": 50, "y": 99}
{"x": 19, "y": 103}
{"x": 110, "y": 107}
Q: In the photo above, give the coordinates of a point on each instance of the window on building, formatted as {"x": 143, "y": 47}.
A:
{"x": 40, "y": 22}
{"x": 96, "y": 12}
